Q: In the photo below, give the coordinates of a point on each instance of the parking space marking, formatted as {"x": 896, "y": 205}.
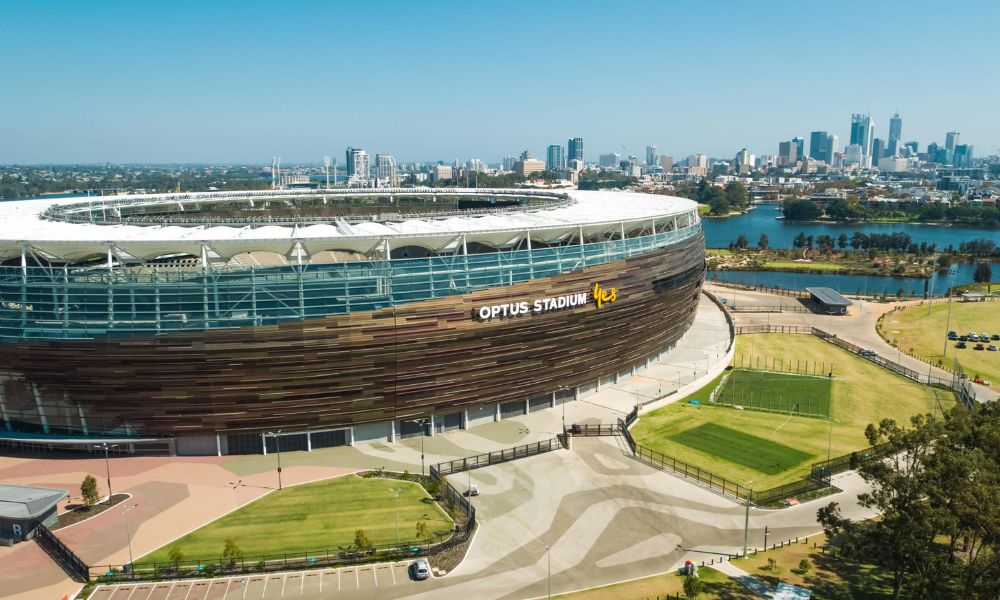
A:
{"x": 321, "y": 582}
{"x": 357, "y": 578}
{"x": 375, "y": 575}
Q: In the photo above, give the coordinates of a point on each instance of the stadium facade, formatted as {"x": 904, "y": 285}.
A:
{"x": 204, "y": 323}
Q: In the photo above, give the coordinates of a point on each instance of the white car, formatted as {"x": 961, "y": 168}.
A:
{"x": 421, "y": 569}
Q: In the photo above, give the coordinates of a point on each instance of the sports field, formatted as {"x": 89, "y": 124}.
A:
{"x": 315, "y": 517}
{"x": 777, "y": 392}
{"x": 925, "y": 333}
{"x": 770, "y": 449}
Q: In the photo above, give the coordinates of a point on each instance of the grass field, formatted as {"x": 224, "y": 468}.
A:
{"x": 777, "y": 392}
{"x": 315, "y": 517}
{"x": 759, "y": 454}
{"x": 861, "y": 392}
{"x": 803, "y": 266}
{"x": 925, "y": 333}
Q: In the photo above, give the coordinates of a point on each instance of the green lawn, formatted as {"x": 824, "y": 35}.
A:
{"x": 925, "y": 333}
{"x": 741, "y": 448}
{"x": 861, "y": 392}
{"x": 315, "y": 517}
{"x": 801, "y": 266}
{"x": 777, "y": 392}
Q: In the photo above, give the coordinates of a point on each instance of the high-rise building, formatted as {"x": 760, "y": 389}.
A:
{"x": 386, "y": 174}
{"x": 358, "y": 168}
{"x": 788, "y": 153}
{"x": 962, "y": 156}
{"x": 863, "y": 134}
{"x": 895, "y": 134}
{"x": 950, "y": 142}
{"x": 527, "y": 166}
{"x": 697, "y": 164}
{"x": 574, "y": 149}
{"x": 878, "y": 150}
{"x": 914, "y": 147}
{"x": 651, "y": 156}
{"x": 508, "y": 163}
{"x": 667, "y": 163}
{"x": 832, "y": 143}
{"x": 610, "y": 161}
{"x": 854, "y": 154}
{"x": 555, "y": 158}
{"x": 817, "y": 145}
{"x": 477, "y": 166}
{"x": 441, "y": 172}
{"x": 800, "y": 148}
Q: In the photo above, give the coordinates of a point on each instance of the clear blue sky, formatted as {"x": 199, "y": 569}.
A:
{"x": 242, "y": 81}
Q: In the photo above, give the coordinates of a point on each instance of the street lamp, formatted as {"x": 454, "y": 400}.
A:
{"x": 395, "y": 493}
{"x": 423, "y": 434}
{"x": 746, "y": 522}
{"x": 548, "y": 556}
{"x": 128, "y": 536}
{"x": 107, "y": 465}
{"x": 277, "y": 446}
{"x": 563, "y": 388}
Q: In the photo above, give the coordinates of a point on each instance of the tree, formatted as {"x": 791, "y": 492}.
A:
{"x": 944, "y": 261}
{"x": 736, "y": 195}
{"x": 983, "y": 272}
{"x": 763, "y": 242}
{"x": 423, "y": 531}
{"x": 175, "y": 556}
{"x": 742, "y": 243}
{"x": 361, "y": 541}
{"x": 88, "y": 489}
{"x": 693, "y": 587}
{"x": 801, "y": 210}
{"x": 231, "y": 553}
{"x": 842, "y": 241}
{"x": 799, "y": 241}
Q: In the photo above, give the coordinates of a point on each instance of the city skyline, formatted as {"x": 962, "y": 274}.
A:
{"x": 221, "y": 84}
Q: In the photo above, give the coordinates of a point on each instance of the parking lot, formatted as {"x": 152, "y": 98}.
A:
{"x": 383, "y": 580}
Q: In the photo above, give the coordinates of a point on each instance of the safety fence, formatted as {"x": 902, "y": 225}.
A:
{"x": 769, "y": 308}
{"x": 60, "y": 552}
{"x": 779, "y": 291}
{"x": 592, "y": 430}
{"x": 494, "y": 458}
{"x": 778, "y": 364}
{"x": 747, "y": 329}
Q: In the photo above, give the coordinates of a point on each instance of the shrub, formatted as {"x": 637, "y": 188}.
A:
{"x": 693, "y": 587}
{"x": 88, "y": 489}
{"x": 361, "y": 540}
{"x": 176, "y": 557}
{"x": 232, "y": 553}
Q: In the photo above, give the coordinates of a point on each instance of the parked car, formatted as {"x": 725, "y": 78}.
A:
{"x": 961, "y": 345}
{"x": 867, "y": 352}
{"x": 952, "y": 335}
{"x": 992, "y": 348}
{"x": 979, "y": 347}
{"x": 981, "y": 381}
{"x": 420, "y": 569}
{"x": 472, "y": 491}
{"x": 995, "y": 336}
{"x": 963, "y": 338}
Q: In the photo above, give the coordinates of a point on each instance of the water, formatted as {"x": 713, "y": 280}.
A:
{"x": 719, "y": 232}
{"x": 856, "y": 284}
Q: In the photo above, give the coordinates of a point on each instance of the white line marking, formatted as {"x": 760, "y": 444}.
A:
{"x": 246, "y": 587}
{"x": 302, "y": 583}
{"x": 229, "y": 582}
{"x": 392, "y": 569}
{"x": 190, "y": 587}
{"x": 264, "y": 591}
{"x": 321, "y": 582}
{"x": 338, "y": 580}
{"x": 132, "y": 592}
{"x": 357, "y": 578}
{"x": 171, "y": 589}
{"x": 283, "y": 580}
{"x": 374, "y": 574}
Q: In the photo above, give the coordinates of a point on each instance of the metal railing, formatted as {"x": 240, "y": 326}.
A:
{"x": 61, "y": 553}
{"x": 493, "y": 458}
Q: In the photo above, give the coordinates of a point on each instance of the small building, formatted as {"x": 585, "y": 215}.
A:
{"x": 829, "y": 300}
{"x": 22, "y": 508}
{"x": 973, "y": 297}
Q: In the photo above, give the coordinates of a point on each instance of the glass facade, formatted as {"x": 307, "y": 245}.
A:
{"x": 92, "y": 302}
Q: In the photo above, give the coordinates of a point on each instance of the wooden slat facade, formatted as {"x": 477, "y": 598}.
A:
{"x": 396, "y": 363}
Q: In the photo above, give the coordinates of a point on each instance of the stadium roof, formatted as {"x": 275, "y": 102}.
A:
{"x": 22, "y": 502}
{"x": 592, "y": 213}
{"x": 828, "y": 296}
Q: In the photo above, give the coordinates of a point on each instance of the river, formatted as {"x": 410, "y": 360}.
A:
{"x": 719, "y": 232}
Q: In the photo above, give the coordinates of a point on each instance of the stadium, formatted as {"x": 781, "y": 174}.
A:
{"x": 207, "y": 323}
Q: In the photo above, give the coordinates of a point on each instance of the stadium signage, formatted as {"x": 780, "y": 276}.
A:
{"x": 598, "y": 295}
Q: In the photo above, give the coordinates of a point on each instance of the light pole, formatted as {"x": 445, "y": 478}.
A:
{"x": 829, "y": 440}
{"x": 277, "y": 446}
{"x": 746, "y": 521}
{"x": 563, "y": 388}
{"x": 395, "y": 493}
{"x": 107, "y": 465}
{"x": 548, "y": 556}
{"x": 951, "y": 276}
{"x": 423, "y": 434}
{"x": 128, "y": 536}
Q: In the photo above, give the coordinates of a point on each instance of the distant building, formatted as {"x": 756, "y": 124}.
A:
{"x": 555, "y": 158}
{"x": 878, "y": 150}
{"x": 863, "y": 134}
{"x": 574, "y": 149}
{"x": 666, "y": 163}
{"x": 818, "y": 145}
{"x": 895, "y": 134}
{"x": 576, "y": 165}
{"x": 610, "y": 160}
{"x": 800, "y": 148}
{"x": 787, "y": 153}
{"x": 950, "y": 141}
{"x": 651, "y": 156}
{"x": 507, "y": 165}
{"x": 962, "y": 156}
{"x": 386, "y": 173}
{"x": 912, "y": 147}
{"x": 358, "y": 167}
{"x": 441, "y": 172}
{"x": 893, "y": 164}
{"x": 477, "y": 166}
{"x": 854, "y": 154}
{"x": 832, "y": 142}
{"x": 527, "y": 166}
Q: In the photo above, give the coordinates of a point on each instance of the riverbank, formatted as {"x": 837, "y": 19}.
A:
{"x": 841, "y": 262}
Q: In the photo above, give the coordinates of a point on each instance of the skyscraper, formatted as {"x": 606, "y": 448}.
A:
{"x": 574, "y": 149}
{"x": 832, "y": 143}
{"x": 878, "y": 150}
{"x": 800, "y": 148}
{"x": 358, "y": 170}
{"x": 895, "y": 134}
{"x": 385, "y": 171}
{"x": 863, "y": 134}
{"x": 962, "y": 156}
{"x": 950, "y": 142}
{"x": 652, "y": 157}
{"x": 787, "y": 153}
{"x": 610, "y": 160}
{"x": 555, "y": 158}
{"x": 817, "y": 145}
